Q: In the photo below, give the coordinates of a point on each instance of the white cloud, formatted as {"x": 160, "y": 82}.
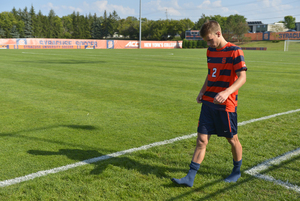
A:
{"x": 216, "y": 5}
{"x": 171, "y": 7}
{"x": 50, "y": 6}
{"x": 101, "y": 6}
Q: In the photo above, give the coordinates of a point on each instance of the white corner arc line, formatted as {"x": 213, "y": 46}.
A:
{"x": 116, "y": 154}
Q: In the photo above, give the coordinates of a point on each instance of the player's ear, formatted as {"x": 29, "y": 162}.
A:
{"x": 218, "y": 34}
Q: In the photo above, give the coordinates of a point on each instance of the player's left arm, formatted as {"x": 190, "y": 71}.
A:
{"x": 222, "y": 96}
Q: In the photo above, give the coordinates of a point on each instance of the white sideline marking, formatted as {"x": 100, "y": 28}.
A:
{"x": 116, "y": 154}
{"x": 255, "y": 171}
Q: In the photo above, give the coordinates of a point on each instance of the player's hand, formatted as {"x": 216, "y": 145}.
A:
{"x": 199, "y": 98}
{"x": 221, "y": 97}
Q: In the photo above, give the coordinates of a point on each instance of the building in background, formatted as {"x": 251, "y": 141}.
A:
{"x": 297, "y": 28}
{"x": 258, "y": 26}
{"x": 192, "y": 35}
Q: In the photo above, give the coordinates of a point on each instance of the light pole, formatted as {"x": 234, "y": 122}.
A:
{"x": 140, "y": 36}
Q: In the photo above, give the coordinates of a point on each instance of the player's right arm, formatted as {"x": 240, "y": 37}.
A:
{"x": 202, "y": 91}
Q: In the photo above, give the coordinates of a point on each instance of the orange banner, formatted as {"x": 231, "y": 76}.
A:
{"x": 125, "y": 44}
{"x": 53, "y": 43}
{"x": 295, "y": 35}
{"x": 50, "y": 43}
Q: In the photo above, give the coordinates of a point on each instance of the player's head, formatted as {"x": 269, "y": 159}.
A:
{"x": 211, "y": 32}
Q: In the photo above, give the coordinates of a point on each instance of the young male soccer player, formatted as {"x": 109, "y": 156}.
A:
{"x": 226, "y": 74}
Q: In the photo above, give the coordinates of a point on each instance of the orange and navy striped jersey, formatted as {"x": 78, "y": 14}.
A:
{"x": 223, "y": 64}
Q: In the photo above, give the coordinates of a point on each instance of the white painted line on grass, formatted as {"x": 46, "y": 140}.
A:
{"x": 255, "y": 171}
{"x": 267, "y": 117}
{"x": 116, "y": 154}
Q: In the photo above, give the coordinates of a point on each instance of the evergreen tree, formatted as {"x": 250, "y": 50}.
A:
{"x": 105, "y": 25}
{"x": 96, "y": 30}
{"x": 14, "y": 12}
{"x": 14, "y": 32}
{"x": 26, "y": 17}
{"x": 38, "y": 32}
{"x": 87, "y": 28}
{"x": 76, "y": 25}
{"x": 50, "y": 31}
{"x": 33, "y": 21}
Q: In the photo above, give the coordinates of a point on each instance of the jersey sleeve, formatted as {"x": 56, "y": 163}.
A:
{"x": 239, "y": 61}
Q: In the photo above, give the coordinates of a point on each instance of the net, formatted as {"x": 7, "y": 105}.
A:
{"x": 292, "y": 45}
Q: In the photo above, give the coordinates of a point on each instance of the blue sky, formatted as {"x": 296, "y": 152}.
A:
{"x": 267, "y": 11}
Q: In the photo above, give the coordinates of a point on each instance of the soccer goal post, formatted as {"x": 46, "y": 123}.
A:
{"x": 292, "y": 45}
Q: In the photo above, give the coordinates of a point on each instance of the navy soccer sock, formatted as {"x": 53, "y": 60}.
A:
{"x": 188, "y": 180}
{"x": 236, "y": 172}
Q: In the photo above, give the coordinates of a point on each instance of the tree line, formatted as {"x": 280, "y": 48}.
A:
{"x": 27, "y": 23}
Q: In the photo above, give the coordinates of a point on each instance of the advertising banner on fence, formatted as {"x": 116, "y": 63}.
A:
{"x": 127, "y": 44}
{"x": 50, "y": 43}
{"x": 295, "y": 35}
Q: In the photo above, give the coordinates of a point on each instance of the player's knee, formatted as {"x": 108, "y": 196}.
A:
{"x": 233, "y": 141}
{"x": 202, "y": 141}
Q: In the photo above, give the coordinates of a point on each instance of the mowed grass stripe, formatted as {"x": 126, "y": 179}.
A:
{"x": 145, "y": 147}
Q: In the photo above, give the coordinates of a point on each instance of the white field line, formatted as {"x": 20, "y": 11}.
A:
{"x": 116, "y": 154}
{"x": 255, "y": 171}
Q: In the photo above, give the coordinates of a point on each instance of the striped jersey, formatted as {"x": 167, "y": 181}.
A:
{"x": 223, "y": 64}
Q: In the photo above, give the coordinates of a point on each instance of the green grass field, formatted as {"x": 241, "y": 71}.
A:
{"x": 59, "y": 107}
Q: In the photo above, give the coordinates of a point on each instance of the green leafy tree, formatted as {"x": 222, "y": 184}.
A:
{"x": 201, "y": 21}
{"x": 10, "y": 24}
{"x": 2, "y": 33}
{"x": 186, "y": 24}
{"x": 236, "y": 26}
{"x": 289, "y": 22}
{"x": 67, "y": 23}
{"x": 129, "y": 27}
{"x": 146, "y": 29}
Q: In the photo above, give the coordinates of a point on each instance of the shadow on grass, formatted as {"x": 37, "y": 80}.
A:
{"x": 101, "y": 163}
{"x": 18, "y": 134}
{"x": 229, "y": 185}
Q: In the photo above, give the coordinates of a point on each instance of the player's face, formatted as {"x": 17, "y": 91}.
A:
{"x": 213, "y": 40}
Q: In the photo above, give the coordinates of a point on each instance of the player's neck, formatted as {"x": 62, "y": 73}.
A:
{"x": 222, "y": 43}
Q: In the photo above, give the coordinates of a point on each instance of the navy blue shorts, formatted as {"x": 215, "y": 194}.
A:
{"x": 213, "y": 121}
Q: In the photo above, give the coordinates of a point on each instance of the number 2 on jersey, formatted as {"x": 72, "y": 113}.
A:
{"x": 214, "y": 72}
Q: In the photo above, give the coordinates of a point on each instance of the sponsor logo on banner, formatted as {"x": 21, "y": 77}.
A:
{"x": 110, "y": 44}
{"x": 22, "y": 41}
{"x": 132, "y": 44}
{"x": 266, "y": 36}
{"x": 3, "y": 46}
{"x": 89, "y": 47}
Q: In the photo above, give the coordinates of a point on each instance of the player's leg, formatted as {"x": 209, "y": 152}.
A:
{"x": 205, "y": 125}
{"x": 237, "y": 152}
{"x": 200, "y": 149}
{"x": 198, "y": 157}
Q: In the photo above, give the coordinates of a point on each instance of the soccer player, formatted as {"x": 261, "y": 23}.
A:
{"x": 219, "y": 94}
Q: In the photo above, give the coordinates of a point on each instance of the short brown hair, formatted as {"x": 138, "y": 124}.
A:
{"x": 210, "y": 26}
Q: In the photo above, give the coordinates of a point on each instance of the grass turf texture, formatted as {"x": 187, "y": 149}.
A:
{"x": 64, "y": 106}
